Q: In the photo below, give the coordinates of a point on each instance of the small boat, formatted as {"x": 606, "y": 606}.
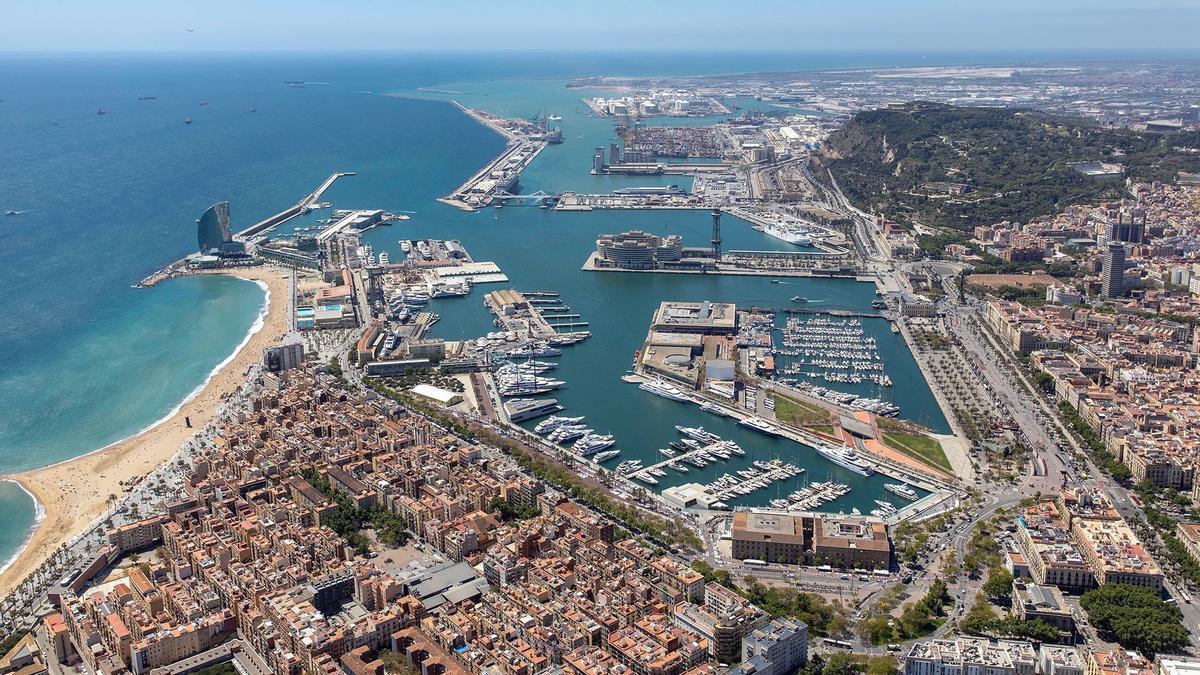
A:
{"x": 101, "y": 111}
{"x": 799, "y": 299}
{"x": 147, "y": 98}
{"x": 203, "y": 102}
{"x": 11, "y": 213}
{"x": 253, "y": 109}
{"x": 187, "y": 120}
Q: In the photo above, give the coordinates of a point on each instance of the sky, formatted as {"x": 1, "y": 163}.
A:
{"x": 456, "y": 25}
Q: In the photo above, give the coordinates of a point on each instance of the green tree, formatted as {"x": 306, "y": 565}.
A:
{"x": 999, "y": 583}
{"x": 1136, "y": 617}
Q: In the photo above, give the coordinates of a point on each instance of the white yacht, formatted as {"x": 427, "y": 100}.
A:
{"x": 844, "y": 457}
{"x": 554, "y": 422}
{"x": 606, "y": 455}
{"x": 592, "y": 443}
{"x": 663, "y": 389}
{"x": 901, "y": 490}
{"x": 760, "y": 425}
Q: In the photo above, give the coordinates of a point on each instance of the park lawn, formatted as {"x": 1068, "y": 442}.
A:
{"x": 826, "y": 429}
{"x": 799, "y": 413}
{"x": 923, "y": 448}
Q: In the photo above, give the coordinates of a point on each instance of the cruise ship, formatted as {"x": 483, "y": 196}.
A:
{"x": 651, "y": 190}
{"x": 844, "y": 457}
{"x": 901, "y": 490}
{"x": 760, "y": 425}
{"x": 792, "y": 234}
{"x": 663, "y": 389}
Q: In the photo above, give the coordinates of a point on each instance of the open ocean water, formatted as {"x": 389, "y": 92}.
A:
{"x": 103, "y": 200}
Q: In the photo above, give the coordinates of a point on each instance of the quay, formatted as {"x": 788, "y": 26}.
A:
{"x": 880, "y": 464}
{"x": 726, "y": 267}
{"x": 294, "y": 210}
{"x": 814, "y": 310}
{"x": 303, "y": 206}
{"x": 523, "y": 315}
{"x": 498, "y": 178}
{"x": 663, "y": 169}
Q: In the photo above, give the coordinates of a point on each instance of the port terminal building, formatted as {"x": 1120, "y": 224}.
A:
{"x": 638, "y": 250}
{"x": 692, "y": 343}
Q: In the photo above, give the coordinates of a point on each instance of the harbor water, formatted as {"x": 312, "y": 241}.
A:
{"x": 103, "y": 200}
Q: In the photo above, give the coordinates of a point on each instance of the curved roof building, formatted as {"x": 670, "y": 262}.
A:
{"x": 212, "y": 229}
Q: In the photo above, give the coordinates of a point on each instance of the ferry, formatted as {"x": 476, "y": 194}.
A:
{"x": 792, "y": 234}
{"x": 901, "y": 490}
{"x": 663, "y": 389}
{"x": 714, "y": 409}
{"x": 760, "y": 425}
{"x": 844, "y": 457}
{"x": 605, "y": 456}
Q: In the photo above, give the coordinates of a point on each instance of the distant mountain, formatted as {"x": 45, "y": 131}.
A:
{"x": 960, "y": 167}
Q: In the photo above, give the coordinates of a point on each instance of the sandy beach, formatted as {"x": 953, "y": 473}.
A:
{"x": 73, "y": 493}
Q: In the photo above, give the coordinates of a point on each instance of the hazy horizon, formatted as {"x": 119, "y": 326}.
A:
{"x": 766, "y": 25}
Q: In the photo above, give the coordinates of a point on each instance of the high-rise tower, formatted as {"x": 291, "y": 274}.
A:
{"x": 716, "y": 238}
{"x": 212, "y": 229}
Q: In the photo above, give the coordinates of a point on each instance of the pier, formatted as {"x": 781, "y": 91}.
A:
{"x": 302, "y": 206}
{"x": 499, "y": 177}
{"x": 814, "y": 310}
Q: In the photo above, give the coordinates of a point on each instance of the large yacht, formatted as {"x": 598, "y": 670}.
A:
{"x": 844, "y": 457}
{"x": 901, "y": 490}
{"x": 760, "y": 425}
{"x": 663, "y": 389}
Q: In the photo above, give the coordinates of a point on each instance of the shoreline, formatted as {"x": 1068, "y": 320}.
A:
{"x": 73, "y": 493}
{"x": 39, "y": 514}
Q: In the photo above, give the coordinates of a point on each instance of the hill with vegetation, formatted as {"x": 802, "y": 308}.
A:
{"x": 908, "y": 161}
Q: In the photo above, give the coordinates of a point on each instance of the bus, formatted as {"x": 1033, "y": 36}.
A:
{"x": 755, "y": 562}
{"x": 843, "y": 644}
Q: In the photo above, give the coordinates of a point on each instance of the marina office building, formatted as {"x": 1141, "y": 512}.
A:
{"x": 811, "y": 538}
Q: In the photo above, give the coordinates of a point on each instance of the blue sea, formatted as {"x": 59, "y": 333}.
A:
{"x": 104, "y": 200}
